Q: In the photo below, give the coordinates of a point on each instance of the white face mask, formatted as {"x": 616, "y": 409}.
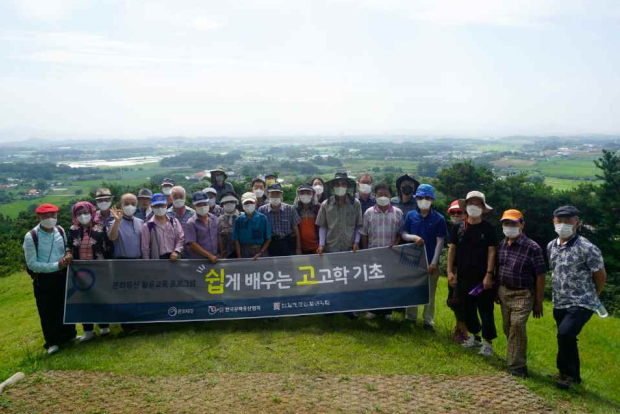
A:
{"x": 129, "y": 210}
{"x": 49, "y": 223}
{"x": 211, "y": 202}
{"x": 474, "y": 211}
{"x": 160, "y": 211}
{"x": 383, "y": 201}
{"x": 104, "y": 205}
{"x": 178, "y": 203}
{"x": 340, "y": 191}
{"x": 457, "y": 220}
{"x": 259, "y": 192}
{"x": 424, "y": 204}
{"x": 564, "y": 230}
{"x": 318, "y": 189}
{"x": 166, "y": 190}
{"x": 84, "y": 219}
{"x": 202, "y": 210}
{"x": 229, "y": 207}
{"x": 275, "y": 201}
{"x": 249, "y": 208}
{"x": 305, "y": 199}
{"x": 510, "y": 232}
{"x": 365, "y": 188}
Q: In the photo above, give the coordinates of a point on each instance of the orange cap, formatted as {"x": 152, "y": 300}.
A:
{"x": 512, "y": 215}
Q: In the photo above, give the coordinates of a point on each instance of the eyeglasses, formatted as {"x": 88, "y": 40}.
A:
{"x": 424, "y": 198}
{"x": 456, "y": 213}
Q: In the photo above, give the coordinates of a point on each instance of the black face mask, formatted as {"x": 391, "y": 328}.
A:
{"x": 407, "y": 190}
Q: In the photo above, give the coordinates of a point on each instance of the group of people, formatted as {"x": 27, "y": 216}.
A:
{"x": 336, "y": 216}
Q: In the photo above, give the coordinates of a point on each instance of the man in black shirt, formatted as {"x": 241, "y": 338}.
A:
{"x": 473, "y": 246}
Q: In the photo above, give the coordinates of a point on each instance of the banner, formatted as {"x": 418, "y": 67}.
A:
{"x": 134, "y": 291}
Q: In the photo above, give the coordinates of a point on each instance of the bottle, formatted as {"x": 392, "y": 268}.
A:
{"x": 600, "y": 309}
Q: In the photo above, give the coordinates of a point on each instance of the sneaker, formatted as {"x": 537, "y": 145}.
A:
{"x": 471, "y": 342}
{"x": 428, "y": 327}
{"x": 52, "y": 349}
{"x": 88, "y": 335}
{"x": 564, "y": 382}
{"x": 486, "y": 349}
{"x": 104, "y": 331}
{"x": 368, "y": 316}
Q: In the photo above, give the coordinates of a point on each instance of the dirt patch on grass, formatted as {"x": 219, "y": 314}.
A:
{"x": 96, "y": 392}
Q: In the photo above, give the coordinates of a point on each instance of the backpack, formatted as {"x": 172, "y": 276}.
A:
{"x": 35, "y": 240}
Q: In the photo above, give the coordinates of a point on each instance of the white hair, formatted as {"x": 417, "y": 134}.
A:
{"x": 177, "y": 189}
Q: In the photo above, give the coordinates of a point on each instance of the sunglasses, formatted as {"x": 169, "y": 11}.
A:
{"x": 424, "y": 198}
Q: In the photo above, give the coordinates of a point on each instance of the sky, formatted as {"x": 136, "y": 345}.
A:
{"x": 123, "y": 69}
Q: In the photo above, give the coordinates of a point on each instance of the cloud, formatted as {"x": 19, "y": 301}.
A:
{"x": 48, "y": 10}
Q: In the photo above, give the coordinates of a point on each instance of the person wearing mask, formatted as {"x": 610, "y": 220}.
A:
{"x": 425, "y": 226}
{"x": 166, "y": 189}
{"x": 457, "y": 216}
{"x": 181, "y": 212}
{"x": 126, "y": 231}
{"x": 318, "y": 185}
{"x": 201, "y": 230}
{"x": 382, "y": 225}
{"x": 340, "y": 217}
{"x": 471, "y": 264}
{"x": 251, "y": 231}
{"x": 144, "y": 211}
{"x": 258, "y": 188}
{"x": 365, "y": 188}
{"x": 46, "y": 260}
{"x": 225, "y": 225}
{"x": 162, "y": 235}
{"x": 213, "y": 207}
{"x": 103, "y": 199}
{"x": 521, "y": 277}
{"x": 218, "y": 182}
{"x": 578, "y": 278}
{"x": 307, "y": 208}
{"x": 87, "y": 240}
{"x": 284, "y": 223}
{"x": 270, "y": 178}
{"x": 406, "y": 186}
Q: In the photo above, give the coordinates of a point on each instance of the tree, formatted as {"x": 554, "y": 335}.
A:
{"x": 462, "y": 177}
{"x": 428, "y": 169}
{"x": 609, "y": 194}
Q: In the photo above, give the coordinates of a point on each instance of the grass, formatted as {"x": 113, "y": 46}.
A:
{"x": 310, "y": 345}
{"x": 582, "y": 167}
{"x": 564, "y": 183}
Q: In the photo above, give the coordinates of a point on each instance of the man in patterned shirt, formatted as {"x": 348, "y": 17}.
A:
{"x": 180, "y": 212}
{"x": 284, "y": 221}
{"x": 578, "y": 279}
{"x": 521, "y": 276}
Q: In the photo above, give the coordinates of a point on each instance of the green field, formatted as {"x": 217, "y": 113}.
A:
{"x": 564, "y": 168}
{"x": 566, "y": 184}
{"x": 310, "y": 345}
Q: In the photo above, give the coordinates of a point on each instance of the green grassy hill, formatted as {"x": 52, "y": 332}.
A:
{"x": 310, "y": 345}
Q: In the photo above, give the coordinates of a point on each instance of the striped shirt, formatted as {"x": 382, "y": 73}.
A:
{"x": 283, "y": 221}
{"x": 382, "y": 228}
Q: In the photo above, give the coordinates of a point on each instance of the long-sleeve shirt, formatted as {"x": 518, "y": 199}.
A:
{"x": 170, "y": 237}
{"x": 51, "y": 250}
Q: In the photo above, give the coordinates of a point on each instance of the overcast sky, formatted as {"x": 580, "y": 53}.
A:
{"x": 132, "y": 68}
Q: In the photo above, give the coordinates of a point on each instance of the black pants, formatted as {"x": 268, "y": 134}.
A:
{"x": 49, "y": 292}
{"x": 482, "y": 305}
{"x": 570, "y": 321}
{"x": 285, "y": 246}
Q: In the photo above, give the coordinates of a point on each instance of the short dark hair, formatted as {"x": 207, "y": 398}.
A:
{"x": 383, "y": 186}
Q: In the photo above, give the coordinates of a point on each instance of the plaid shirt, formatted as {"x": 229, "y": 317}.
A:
{"x": 187, "y": 214}
{"x": 382, "y": 228}
{"x": 370, "y": 202}
{"x": 519, "y": 263}
{"x": 283, "y": 221}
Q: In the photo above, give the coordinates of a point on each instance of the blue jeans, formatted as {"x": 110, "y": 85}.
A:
{"x": 570, "y": 321}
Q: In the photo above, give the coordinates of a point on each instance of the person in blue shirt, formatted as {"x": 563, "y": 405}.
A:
{"x": 47, "y": 260}
{"x": 425, "y": 226}
{"x": 251, "y": 231}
